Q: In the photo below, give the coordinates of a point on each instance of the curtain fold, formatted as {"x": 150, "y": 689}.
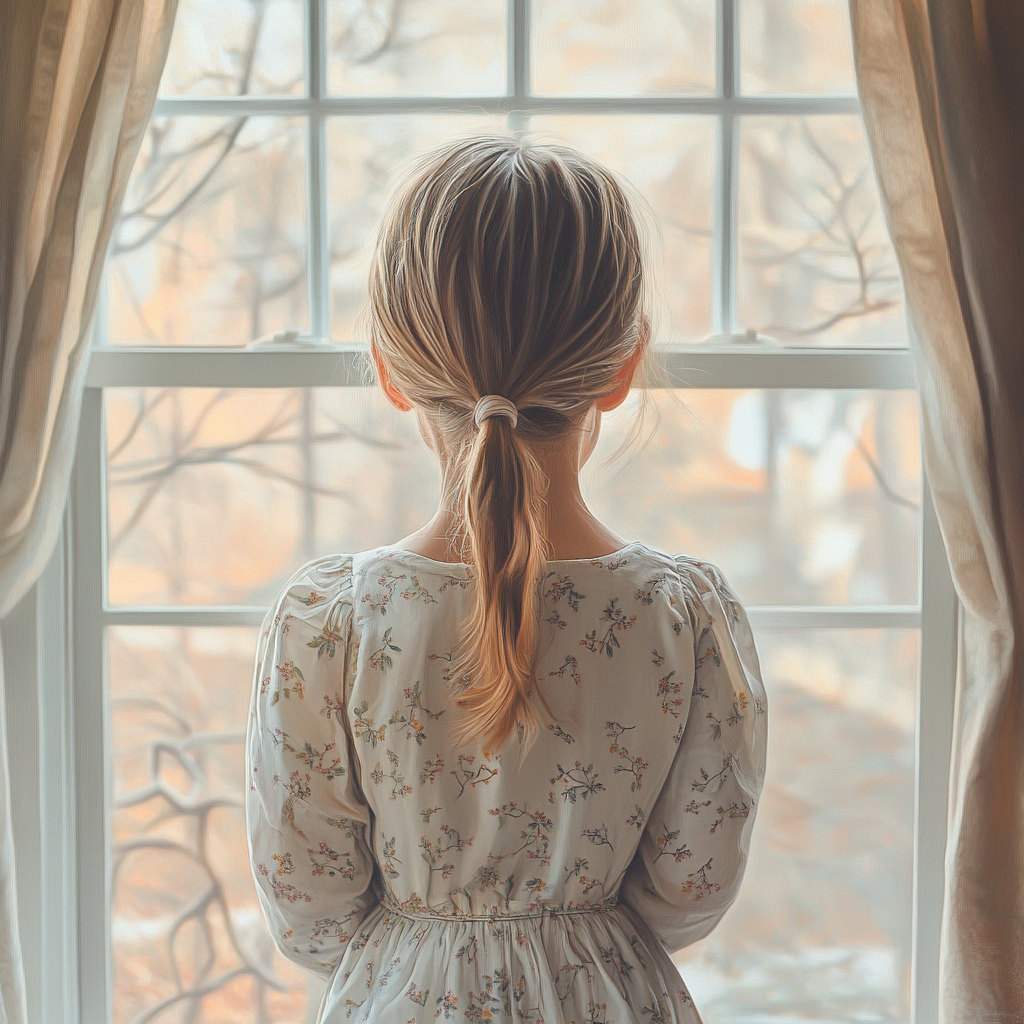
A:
{"x": 78, "y": 79}
{"x": 942, "y": 93}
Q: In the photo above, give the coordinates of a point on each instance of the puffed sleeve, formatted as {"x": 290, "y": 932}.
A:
{"x": 693, "y": 852}
{"x": 306, "y": 816}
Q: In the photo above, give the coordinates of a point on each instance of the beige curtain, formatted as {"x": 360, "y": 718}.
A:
{"x": 942, "y": 91}
{"x": 77, "y": 83}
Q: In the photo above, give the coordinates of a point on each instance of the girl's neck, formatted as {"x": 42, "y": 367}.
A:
{"x": 570, "y": 527}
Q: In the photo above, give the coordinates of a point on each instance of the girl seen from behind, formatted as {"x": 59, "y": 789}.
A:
{"x": 501, "y": 769}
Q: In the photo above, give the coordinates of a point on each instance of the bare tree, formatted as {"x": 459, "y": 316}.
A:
{"x": 174, "y": 181}
{"x": 195, "y": 969}
{"x": 843, "y": 232}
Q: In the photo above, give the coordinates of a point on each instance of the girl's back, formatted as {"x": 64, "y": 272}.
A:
{"x": 495, "y": 772}
{"x": 547, "y": 890}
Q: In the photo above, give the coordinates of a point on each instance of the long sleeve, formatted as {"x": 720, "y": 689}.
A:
{"x": 692, "y": 855}
{"x": 306, "y": 816}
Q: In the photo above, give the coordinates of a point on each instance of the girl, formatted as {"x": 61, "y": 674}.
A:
{"x": 501, "y": 769}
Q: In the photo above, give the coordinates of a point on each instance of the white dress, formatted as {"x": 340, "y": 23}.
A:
{"x": 436, "y": 883}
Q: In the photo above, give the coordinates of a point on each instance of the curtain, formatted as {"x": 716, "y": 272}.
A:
{"x": 78, "y": 79}
{"x": 942, "y": 93}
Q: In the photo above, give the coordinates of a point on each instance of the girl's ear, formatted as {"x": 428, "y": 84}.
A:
{"x": 393, "y": 395}
{"x": 624, "y": 378}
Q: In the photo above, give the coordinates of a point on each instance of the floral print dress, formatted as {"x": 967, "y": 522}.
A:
{"x": 437, "y": 883}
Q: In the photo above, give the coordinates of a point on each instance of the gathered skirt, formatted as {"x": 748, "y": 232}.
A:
{"x": 595, "y": 966}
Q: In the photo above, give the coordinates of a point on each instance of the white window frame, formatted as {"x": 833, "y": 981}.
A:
{"x": 54, "y": 642}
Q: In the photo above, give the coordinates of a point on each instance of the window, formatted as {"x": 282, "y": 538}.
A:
{"x": 226, "y": 424}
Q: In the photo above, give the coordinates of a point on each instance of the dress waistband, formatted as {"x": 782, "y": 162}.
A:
{"x": 545, "y": 910}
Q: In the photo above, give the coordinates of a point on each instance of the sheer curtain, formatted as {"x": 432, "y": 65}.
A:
{"x": 77, "y": 83}
{"x": 942, "y": 92}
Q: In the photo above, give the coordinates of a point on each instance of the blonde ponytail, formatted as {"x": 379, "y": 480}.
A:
{"x": 503, "y": 510}
{"x": 505, "y": 268}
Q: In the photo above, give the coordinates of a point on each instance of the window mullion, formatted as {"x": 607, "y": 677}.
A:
{"x": 91, "y": 734}
{"x": 351, "y": 105}
{"x": 834, "y": 617}
{"x": 761, "y": 616}
{"x": 519, "y": 52}
{"x": 726, "y": 30}
{"x": 59, "y": 995}
{"x": 187, "y": 617}
{"x": 345, "y": 366}
{"x": 935, "y": 699}
{"x": 316, "y": 176}
{"x": 723, "y": 311}
{"x": 518, "y": 61}
{"x": 724, "y": 229}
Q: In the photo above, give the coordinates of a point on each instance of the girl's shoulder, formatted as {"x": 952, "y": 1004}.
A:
{"x": 637, "y": 567}
{"x": 694, "y": 575}
{"x": 693, "y": 581}
{"x": 635, "y": 559}
{"x": 318, "y": 596}
{"x": 318, "y": 580}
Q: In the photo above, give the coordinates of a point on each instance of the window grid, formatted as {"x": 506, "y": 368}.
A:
{"x": 726, "y": 187}
{"x": 316, "y": 171}
{"x": 518, "y": 104}
{"x": 736, "y": 367}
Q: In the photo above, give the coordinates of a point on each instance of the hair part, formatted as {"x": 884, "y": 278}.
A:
{"x": 510, "y": 268}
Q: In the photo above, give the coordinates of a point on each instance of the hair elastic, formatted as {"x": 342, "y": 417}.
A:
{"x": 495, "y": 405}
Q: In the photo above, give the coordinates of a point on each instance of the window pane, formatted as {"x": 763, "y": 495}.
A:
{"x": 186, "y": 927}
{"x": 796, "y": 46}
{"x": 218, "y": 496}
{"x": 815, "y": 263}
{"x": 821, "y": 930}
{"x": 236, "y": 48}
{"x": 623, "y": 47}
{"x": 670, "y": 160}
{"x": 431, "y": 47}
{"x": 802, "y": 497}
{"x": 210, "y": 248}
{"x": 366, "y": 156}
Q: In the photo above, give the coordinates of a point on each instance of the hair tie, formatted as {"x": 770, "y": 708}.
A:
{"x": 495, "y": 405}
